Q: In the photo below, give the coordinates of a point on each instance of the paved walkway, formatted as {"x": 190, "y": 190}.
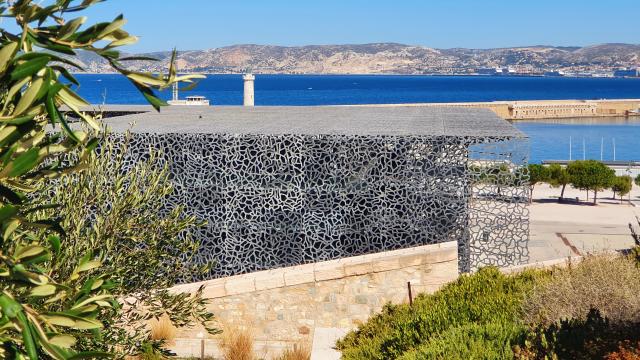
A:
{"x": 324, "y": 342}
{"x": 562, "y": 230}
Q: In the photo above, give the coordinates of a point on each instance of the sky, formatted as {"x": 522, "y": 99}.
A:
{"x": 202, "y": 24}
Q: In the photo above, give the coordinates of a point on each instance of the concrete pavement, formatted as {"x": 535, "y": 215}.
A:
{"x": 559, "y": 230}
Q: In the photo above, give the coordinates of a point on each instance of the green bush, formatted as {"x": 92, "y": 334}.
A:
{"x": 482, "y": 298}
{"x": 472, "y": 341}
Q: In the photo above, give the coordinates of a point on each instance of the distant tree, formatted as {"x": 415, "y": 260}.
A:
{"x": 590, "y": 175}
{"x": 621, "y": 185}
{"x": 537, "y": 174}
{"x": 558, "y": 176}
{"x": 637, "y": 180}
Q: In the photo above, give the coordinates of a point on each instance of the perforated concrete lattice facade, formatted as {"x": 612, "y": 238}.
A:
{"x": 282, "y": 186}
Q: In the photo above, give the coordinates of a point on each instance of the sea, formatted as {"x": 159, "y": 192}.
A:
{"x": 588, "y": 138}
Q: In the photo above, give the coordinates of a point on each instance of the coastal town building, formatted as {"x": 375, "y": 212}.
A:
{"x": 502, "y": 71}
{"x": 545, "y": 110}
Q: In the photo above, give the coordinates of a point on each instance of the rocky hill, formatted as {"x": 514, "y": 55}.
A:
{"x": 383, "y": 58}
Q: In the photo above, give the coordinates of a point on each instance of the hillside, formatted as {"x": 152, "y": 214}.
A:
{"x": 383, "y": 58}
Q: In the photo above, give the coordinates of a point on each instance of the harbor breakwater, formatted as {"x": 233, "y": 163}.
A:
{"x": 508, "y": 110}
{"x": 549, "y": 109}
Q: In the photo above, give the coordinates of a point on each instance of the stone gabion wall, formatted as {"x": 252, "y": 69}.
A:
{"x": 281, "y": 200}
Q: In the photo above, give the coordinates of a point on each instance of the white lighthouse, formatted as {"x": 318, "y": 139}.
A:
{"x": 249, "y": 98}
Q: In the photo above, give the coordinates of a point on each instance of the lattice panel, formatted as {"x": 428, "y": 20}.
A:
{"x": 274, "y": 201}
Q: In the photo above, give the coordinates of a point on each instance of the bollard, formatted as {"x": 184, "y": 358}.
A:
{"x": 201, "y": 337}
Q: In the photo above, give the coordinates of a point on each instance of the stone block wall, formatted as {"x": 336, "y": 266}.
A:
{"x": 283, "y": 307}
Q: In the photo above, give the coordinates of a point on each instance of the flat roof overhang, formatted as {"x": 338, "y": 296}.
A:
{"x": 313, "y": 120}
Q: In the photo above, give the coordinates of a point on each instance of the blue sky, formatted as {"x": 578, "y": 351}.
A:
{"x": 201, "y": 24}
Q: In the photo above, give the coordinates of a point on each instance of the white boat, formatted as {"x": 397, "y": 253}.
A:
{"x": 190, "y": 100}
{"x": 194, "y": 100}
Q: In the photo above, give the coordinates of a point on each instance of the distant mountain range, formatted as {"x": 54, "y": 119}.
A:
{"x": 385, "y": 58}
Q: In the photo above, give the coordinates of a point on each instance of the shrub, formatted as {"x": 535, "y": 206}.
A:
{"x": 299, "y": 352}
{"x": 149, "y": 352}
{"x": 471, "y": 341}
{"x": 634, "y": 255}
{"x": 626, "y": 351}
{"x": 485, "y": 297}
{"x": 237, "y": 344}
{"x": 635, "y": 235}
{"x": 610, "y": 284}
{"x": 587, "y": 337}
{"x": 162, "y": 329}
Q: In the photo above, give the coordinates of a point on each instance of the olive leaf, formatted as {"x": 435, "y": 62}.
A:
{"x": 45, "y": 313}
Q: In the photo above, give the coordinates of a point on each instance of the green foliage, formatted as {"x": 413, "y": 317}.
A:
{"x": 590, "y": 175}
{"x": 150, "y": 352}
{"x": 130, "y": 224}
{"x": 537, "y": 174}
{"x": 127, "y": 210}
{"x": 73, "y": 303}
{"x": 558, "y": 176}
{"x": 485, "y": 297}
{"x": 43, "y": 314}
{"x": 493, "y": 340}
{"x": 637, "y": 180}
{"x": 622, "y": 185}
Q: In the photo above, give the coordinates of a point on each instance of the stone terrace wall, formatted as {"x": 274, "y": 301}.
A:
{"x": 283, "y": 307}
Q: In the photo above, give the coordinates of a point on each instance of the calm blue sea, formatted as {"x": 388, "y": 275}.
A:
{"x": 549, "y": 140}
